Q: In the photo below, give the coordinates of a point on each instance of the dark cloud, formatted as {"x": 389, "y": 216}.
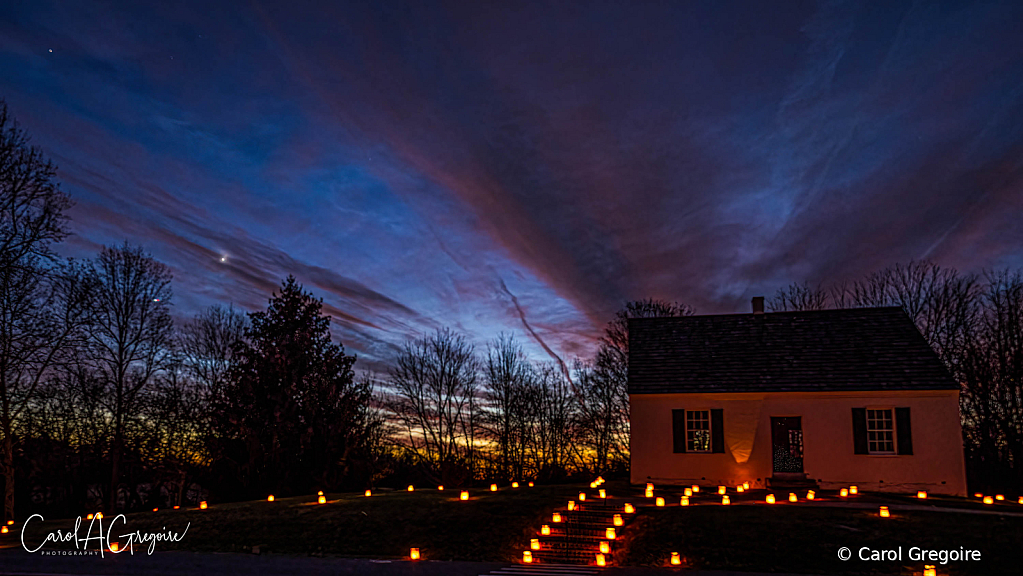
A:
{"x": 527, "y": 168}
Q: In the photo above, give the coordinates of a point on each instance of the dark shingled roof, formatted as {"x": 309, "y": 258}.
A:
{"x": 826, "y": 350}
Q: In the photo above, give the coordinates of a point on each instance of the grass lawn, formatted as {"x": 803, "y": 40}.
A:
{"x": 496, "y": 526}
{"x": 491, "y": 526}
{"x": 806, "y": 539}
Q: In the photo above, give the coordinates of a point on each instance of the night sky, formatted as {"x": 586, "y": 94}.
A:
{"x": 503, "y": 166}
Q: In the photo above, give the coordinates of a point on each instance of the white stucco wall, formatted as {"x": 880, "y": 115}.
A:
{"x": 936, "y": 464}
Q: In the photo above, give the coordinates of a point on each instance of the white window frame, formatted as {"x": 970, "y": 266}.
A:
{"x": 691, "y": 433}
{"x": 872, "y": 442}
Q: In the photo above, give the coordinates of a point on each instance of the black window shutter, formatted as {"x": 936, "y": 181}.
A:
{"x": 678, "y": 430}
{"x": 903, "y": 431}
{"x": 717, "y": 431}
{"x": 859, "y": 416}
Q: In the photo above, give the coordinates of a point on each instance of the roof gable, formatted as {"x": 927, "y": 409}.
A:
{"x": 826, "y": 350}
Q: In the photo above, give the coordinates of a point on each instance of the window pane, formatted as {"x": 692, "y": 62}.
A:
{"x": 880, "y": 431}
{"x": 698, "y": 430}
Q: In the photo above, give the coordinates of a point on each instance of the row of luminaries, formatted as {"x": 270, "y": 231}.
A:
{"x": 583, "y": 532}
{"x": 770, "y": 498}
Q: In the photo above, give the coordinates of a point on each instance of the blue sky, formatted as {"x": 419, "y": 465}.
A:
{"x": 487, "y": 165}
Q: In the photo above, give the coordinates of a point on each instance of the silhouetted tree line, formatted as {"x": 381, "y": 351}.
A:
{"x": 105, "y": 402}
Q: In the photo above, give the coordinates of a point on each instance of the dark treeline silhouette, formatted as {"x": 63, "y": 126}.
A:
{"x": 106, "y": 403}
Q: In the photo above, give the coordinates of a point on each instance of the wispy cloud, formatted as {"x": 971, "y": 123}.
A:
{"x": 496, "y": 168}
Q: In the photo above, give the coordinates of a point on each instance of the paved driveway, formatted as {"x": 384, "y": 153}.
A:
{"x": 15, "y": 561}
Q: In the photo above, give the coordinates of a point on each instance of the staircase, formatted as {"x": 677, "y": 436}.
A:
{"x": 791, "y": 481}
{"x": 577, "y": 539}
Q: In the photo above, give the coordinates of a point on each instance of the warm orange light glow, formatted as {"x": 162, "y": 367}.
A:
{"x": 464, "y": 495}
{"x": 556, "y": 517}
{"x": 582, "y": 496}
{"x": 989, "y": 500}
{"x": 676, "y": 560}
{"x": 602, "y": 493}
{"x": 270, "y": 498}
{"x": 571, "y": 505}
{"x": 684, "y": 501}
{"x": 725, "y": 501}
{"x": 593, "y": 484}
{"x": 605, "y": 547}
{"x": 688, "y": 492}
{"x": 89, "y": 517}
{"x": 745, "y": 485}
{"x": 978, "y": 495}
{"x": 629, "y": 509}
{"x": 176, "y": 508}
{"x": 155, "y": 509}
{"x": 999, "y": 497}
{"x": 411, "y": 488}
{"x": 609, "y": 533}
{"x": 530, "y": 484}
{"x": 440, "y": 488}
{"x": 4, "y": 530}
{"x": 648, "y": 493}
{"x": 202, "y": 505}
{"x": 114, "y": 546}
{"x": 929, "y": 570}
{"x": 843, "y": 492}
{"x": 770, "y": 499}
{"x": 854, "y": 490}
{"x": 922, "y": 494}
{"x": 413, "y": 553}
{"x": 649, "y": 486}
{"x": 493, "y": 487}
{"x": 600, "y": 480}
{"x": 99, "y": 515}
{"x": 659, "y": 501}
{"x": 721, "y": 489}
{"x": 696, "y": 488}
{"x": 369, "y": 493}
{"x": 527, "y": 557}
{"x": 321, "y": 499}
{"x": 617, "y": 520}
{"x": 10, "y": 522}
{"x": 739, "y": 489}
{"x": 884, "y": 512}
{"x": 810, "y": 494}
{"x": 793, "y": 497}
{"x": 534, "y": 544}
{"x": 600, "y": 560}
{"x": 545, "y": 530}
{"x": 319, "y": 493}
{"x": 1020, "y": 501}
{"x": 515, "y": 484}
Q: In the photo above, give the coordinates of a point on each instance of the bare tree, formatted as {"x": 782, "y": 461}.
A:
{"x": 604, "y": 385}
{"x": 208, "y": 342}
{"x": 508, "y": 374}
{"x": 32, "y": 219}
{"x": 434, "y": 383}
{"x": 554, "y": 405}
{"x": 940, "y": 301}
{"x": 130, "y": 337}
{"x": 798, "y": 297}
{"x": 991, "y": 371}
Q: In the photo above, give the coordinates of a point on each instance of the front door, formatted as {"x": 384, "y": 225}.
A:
{"x": 787, "y": 441}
